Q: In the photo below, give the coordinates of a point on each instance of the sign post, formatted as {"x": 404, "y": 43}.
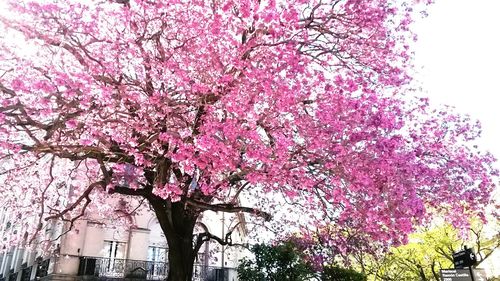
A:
{"x": 464, "y": 258}
{"x": 456, "y": 275}
{"x": 463, "y": 274}
{"x": 463, "y": 261}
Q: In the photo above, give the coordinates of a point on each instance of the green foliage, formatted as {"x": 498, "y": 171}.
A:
{"x": 422, "y": 257}
{"x": 274, "y": 263}
{"x": 334, "y": 273}
{"x": 284, "y": 262}
{"x": 427, "y": 252}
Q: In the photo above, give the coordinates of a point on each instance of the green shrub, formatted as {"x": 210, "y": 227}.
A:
{"x": 274, "y": 263}
{"x": 334, "y": 273}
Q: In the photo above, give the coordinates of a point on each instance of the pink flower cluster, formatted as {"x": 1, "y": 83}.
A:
{"x": 301, "y": 100}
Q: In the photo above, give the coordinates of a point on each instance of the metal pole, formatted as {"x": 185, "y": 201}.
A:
{"x": 222, "y": 259}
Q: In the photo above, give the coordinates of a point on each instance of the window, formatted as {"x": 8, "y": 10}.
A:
{"x": 157, "y": 266}
{"x": 114, "y": 265}
{"x": 157, "y": 254}
{"x": 114, "y": 249}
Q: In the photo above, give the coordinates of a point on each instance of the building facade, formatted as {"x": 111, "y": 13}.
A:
{"x": 99, "y": 249}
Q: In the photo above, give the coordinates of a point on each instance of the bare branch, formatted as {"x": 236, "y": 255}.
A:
{"x": 85, "y": 195}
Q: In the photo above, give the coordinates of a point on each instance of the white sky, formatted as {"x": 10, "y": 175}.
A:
{"x": 458, "y": 59}
{"x": 458, "y": 54}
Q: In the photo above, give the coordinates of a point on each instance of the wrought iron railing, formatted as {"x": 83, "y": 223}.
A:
{"x": 122, "y": 268}
{"x": 213, "y": 273}
{"x": 42, "y": 268}
{"x": 13, "y": 276}
{"x": 149, "y": 270}
{"x": 26, "y": 273}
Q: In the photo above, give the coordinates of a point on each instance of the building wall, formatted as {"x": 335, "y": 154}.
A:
{"x": 492, "y": 264}
{"x": 140, "y": 239}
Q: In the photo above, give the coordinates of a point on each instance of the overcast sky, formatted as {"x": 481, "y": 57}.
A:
{"x": 458, "y": 54}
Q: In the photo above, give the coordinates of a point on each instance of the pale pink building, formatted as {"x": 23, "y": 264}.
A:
{"x": 97, "y": 249}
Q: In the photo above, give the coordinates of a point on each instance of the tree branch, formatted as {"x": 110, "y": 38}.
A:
{"x": 85, "y": 195}
{"x": 227, "y": 241}
{"x": 128, "y": 191}
{"x": 228, "y": 208}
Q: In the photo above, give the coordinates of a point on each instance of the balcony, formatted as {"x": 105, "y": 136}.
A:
{"x": 107, "y": 268}
{"x": 24, "y": 272}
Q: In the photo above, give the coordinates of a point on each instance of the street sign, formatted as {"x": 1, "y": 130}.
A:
{"x": 464, "y": 258}
{"x": 455, "y": 275}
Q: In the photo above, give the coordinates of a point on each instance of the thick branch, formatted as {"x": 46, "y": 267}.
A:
{"x": 229, "y": 208}
{"x": 227, "y": 241}
{"x": 132, "y": 192}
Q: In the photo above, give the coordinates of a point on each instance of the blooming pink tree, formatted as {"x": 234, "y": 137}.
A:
{"x": 297, "y": 105}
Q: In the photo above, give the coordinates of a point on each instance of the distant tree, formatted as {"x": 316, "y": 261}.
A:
{"x": 427, "y": 252}
{"x": 484, "y": 244}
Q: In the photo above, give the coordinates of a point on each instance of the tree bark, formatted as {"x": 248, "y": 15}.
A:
{"x": 180, "y": 259}
{"x": 177, "y": 223}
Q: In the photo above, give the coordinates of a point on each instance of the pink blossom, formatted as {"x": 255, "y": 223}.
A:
{"x": 192, "y": 102}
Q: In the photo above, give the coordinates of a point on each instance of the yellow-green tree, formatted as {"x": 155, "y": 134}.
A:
{"x": 427, "y": 252}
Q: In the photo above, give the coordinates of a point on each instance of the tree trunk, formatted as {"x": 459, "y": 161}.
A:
{"x": 177, "y": 223}
{"x": 180, "y": 259}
